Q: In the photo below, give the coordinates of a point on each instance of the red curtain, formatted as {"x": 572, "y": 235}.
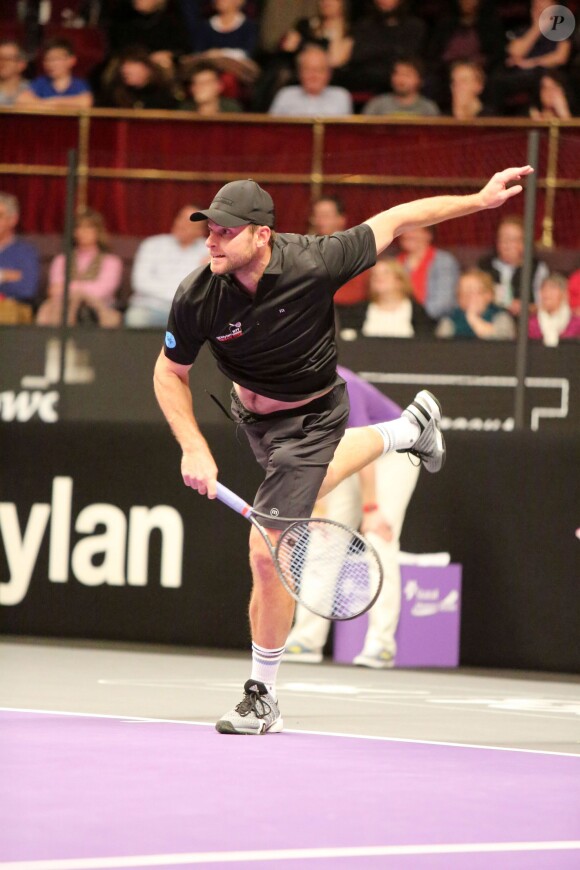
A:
{"x": 202, "y": 155}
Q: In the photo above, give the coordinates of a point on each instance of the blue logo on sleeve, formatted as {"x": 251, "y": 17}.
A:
{"x": 170, "y": 339}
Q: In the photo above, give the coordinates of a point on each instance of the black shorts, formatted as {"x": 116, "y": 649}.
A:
{"x": 295, "y": 448}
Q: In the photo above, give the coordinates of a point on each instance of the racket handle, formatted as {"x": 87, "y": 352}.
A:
{"x": 232, "y": 500}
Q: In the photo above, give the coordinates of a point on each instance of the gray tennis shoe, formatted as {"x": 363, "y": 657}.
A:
{"x": 430, "y": 445}
{"x": 256, "y": 713}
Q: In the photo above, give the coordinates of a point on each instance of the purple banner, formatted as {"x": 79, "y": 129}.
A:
{"x": 428, "y": 631}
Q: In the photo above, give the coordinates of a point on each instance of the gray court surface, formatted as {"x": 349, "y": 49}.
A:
{"x": 512, "y": 710}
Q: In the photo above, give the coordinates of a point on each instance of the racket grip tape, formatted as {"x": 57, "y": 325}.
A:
{"x": 232, "y": 500}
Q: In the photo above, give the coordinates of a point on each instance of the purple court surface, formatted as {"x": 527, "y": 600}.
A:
{"x": 100, "y": 790}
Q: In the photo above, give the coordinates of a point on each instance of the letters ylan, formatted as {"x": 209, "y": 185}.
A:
{"x": 117, "y": 556}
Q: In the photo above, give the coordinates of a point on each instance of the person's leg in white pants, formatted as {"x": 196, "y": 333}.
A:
{"x": 396, "y": 481}
{"x": 343, "y": 504}
{"x": 397, "y": 478}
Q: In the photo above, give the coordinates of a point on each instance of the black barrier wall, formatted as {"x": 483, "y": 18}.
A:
{"x": 106, "y": 542}
{"x": 108, "y": 377}
{"x": 100, "y": 539}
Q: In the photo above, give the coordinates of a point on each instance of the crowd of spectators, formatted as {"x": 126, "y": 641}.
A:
{"x": 465, "y": 58}
{"x": 418, "y": 290}
{"x": 460, "y": 58}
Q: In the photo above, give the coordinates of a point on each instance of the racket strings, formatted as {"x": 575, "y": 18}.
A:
{"x": 330, "y": 569}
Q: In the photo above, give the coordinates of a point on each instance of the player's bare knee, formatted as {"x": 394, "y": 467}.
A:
{"x": 260, "y": 557}
{"x": 261, "y": 564}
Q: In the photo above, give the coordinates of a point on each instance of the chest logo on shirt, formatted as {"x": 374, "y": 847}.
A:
{"x": 235, "y": 331}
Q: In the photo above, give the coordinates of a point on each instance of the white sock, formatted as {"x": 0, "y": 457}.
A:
{"x": 265, "y": 664}
{"x": 398, "y": 434}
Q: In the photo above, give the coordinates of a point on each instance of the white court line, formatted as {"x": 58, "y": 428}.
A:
{"x": 148, "y": 719}
{"x": 285, "y": 855}
{"x": 488, "y": 702}
{"x": 392, "y": 697}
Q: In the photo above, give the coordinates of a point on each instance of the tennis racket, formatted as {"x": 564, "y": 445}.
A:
{"x": 325, "y": 566}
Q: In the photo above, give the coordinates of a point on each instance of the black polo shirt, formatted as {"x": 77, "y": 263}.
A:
{"x": 280, "y": 342}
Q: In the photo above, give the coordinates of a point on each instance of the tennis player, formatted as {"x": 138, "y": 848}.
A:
{"x": 265, "y": 305}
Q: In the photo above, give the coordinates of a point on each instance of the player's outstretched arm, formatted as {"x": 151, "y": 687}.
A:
{"x": 171, "y": 383}
{"x": 434, "y": 209}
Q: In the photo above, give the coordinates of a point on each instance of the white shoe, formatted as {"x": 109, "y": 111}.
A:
{"x": 378, "y": 659}
{"x": 375, "y": 656}
{"x": 257, "y": 713}
{"x": 430, "y": 445}
{"x": 297, "y": 652}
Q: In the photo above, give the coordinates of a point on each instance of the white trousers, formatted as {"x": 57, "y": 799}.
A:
{"x": 396, "y": 481}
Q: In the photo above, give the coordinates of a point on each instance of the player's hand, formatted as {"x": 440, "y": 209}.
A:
{"x": 199, "y": 470}
{"x": 497, "y": 191}
{"x": 375, "y": 522}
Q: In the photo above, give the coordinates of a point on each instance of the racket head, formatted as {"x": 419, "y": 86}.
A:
{"x": 329, "y": 568}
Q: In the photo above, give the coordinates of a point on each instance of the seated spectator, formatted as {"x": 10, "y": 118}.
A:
{"x": 574, "y": 291}
{"x": 160, "y": 264}
{"x": 554, "y": 320}
{"x": 476, "y": 314}
{"x": 467, "y": 84}
{"x": 434, "y": 273}
{"x": 329, "y": 28}
{"x": 19, "y": 265}
{"x": 314, "y": 96}
{"x": 57, "y": 88}
{"x": 505, "y": 265}
{"x": 229, "y": 30}
{"x": 552, "y": 100}
{"x": 204, "y": 88}
{"x": 386, "y": 33}
{"x": 328, "y": 216}
{"x": 61, "y": 13}
{"x": 529, "y": 54}
{"x": 471, "y": 32}
{"x": 78, "y": 13}
{"x": 135, "y": 81}
{"x": 278, "y": 17}
{"x": 392, "y": 311}
{"x": 405, "y": 97}
{"x": 95, "y": 278}
{"x": 229, "y": 39}
{"x": 156, "y": 27}
{"x": 13, "y": 63}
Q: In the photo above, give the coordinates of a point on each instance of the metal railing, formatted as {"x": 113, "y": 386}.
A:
{"x": 316, "y": 175}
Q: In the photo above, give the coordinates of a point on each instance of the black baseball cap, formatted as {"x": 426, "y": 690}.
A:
{"x": 239, "y": 203}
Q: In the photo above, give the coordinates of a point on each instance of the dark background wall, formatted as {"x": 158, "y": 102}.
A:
{"x": 505, "y": 506}
{"x": 108, "y": 376}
